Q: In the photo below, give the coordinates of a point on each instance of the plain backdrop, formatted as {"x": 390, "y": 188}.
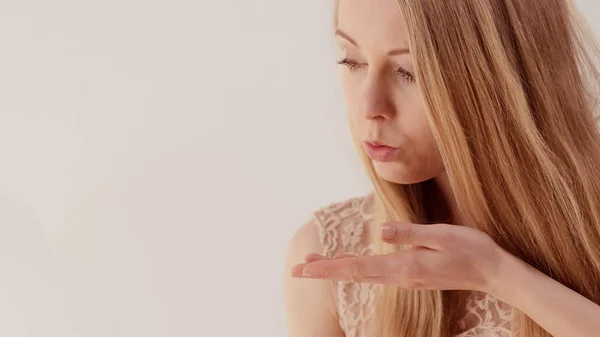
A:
{"x": 157, "y": 156}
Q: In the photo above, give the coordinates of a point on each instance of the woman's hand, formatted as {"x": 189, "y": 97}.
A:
{"x": 441, "y": 256}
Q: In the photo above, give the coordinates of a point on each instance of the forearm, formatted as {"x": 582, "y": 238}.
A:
{"x": 556, "y": 308}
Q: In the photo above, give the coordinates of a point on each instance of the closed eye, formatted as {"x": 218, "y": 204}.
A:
{"x": 400, "y": 72}
{"x": 405, "y": 75}
{"x": 352, "y": 65}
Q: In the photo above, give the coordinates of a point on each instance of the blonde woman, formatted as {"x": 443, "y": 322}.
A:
{"x": 475, "y": 122}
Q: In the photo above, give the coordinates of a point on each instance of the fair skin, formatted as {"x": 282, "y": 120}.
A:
{"x": 386, "y": 106}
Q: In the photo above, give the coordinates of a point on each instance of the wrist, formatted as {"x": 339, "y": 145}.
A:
{"x": 501, "y": 283}
{"x": 511, "y": 276}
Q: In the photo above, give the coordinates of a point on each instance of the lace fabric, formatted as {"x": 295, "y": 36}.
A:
{"x": 346, "y": 227}
{"x": 486, "y": 317}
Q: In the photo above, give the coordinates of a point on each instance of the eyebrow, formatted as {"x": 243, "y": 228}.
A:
{"x": 393, "y": 52}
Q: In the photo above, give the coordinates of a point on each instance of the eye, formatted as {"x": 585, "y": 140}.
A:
{"x": 351, "y": 65}
{"x": 400, "y": 72}
{"x": 405, "y": 75}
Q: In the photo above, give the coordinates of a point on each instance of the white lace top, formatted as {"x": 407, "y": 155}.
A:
{"x": 344, "y": 228}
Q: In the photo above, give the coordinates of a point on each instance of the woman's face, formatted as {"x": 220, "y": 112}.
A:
{"x": 384, "y": 102}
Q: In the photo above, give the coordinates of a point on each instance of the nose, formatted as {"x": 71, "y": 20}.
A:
{"x": 376, "y": 101}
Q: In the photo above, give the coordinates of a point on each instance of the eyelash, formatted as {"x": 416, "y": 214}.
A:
{"x": 354, "y": 66}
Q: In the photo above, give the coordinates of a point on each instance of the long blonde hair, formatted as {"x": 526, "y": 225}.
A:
{"x": 511, "y": 88}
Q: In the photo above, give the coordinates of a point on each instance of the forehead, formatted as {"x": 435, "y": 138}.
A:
{"x": 372, "y": 23}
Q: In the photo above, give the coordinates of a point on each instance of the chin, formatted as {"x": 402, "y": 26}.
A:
{"x": 398, "y": 173}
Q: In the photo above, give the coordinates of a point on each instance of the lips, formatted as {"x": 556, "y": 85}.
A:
{"x": 380, "y": 152}
{"x": 374, "y": 143}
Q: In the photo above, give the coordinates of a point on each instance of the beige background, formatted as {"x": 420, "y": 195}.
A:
{"x": 156, "y": 157}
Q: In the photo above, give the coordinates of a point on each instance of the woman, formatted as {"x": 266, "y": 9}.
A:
{"x": 475, "y": 122}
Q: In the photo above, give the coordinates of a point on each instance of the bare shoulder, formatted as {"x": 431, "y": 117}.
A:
{"x": 306, "y": 239}
{"x": 311, "y": 308}
{"x": 309, "y": 304}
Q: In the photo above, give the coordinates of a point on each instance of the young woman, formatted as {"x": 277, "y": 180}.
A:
{"x": 475, "y": 121}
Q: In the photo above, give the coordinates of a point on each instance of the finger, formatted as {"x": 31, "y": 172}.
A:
{"x": 297, "y": 270}
{"x": 370, "y": 280}
{"x": 429, "y": 236}
{"x": 352, "y": 268}
{"x": 314, "y": 257}
{"x": 342, "y": 256}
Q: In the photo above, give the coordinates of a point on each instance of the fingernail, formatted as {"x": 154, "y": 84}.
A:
{"x": 388, "y": 231}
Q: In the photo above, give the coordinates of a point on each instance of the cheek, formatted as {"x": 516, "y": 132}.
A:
{"x": 422, "y": 160}
{"x": 424, "y": 147}
{"x": 349, "y": 86}
{"x": 420, "y": 130}
{"x": 351, "y": 97}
